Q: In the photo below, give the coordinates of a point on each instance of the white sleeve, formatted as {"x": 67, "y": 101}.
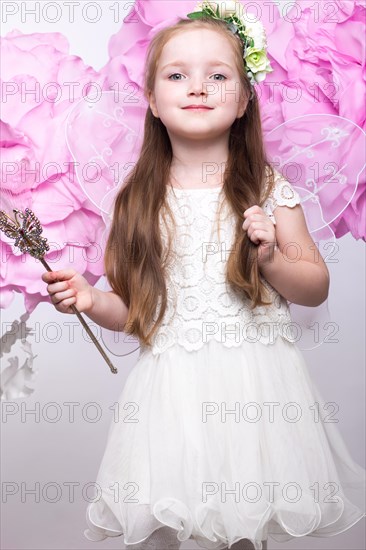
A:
{"x": 282, "y": 194}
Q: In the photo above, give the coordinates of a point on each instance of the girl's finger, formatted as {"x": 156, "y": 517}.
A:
{"x": 62, "y": 296}
{"x": 257, "y": 225}
{"x": 51, "y": 276}
{"x": 52, "y": 288}
{"x": 64, "y": 306}
{"x": 258, "y": 235}
{"x": 253, "y": 210}
{"x": 61, "y": 275}
{"x": 264, "y": 222}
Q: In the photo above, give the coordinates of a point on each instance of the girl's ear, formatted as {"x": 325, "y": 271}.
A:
{"x": 243, "y": 106}
{"x": 153, "y": 105}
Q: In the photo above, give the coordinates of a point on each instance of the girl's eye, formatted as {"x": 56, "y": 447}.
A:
{"x": 175, "y": 74}
{"x": 179, "y": 74}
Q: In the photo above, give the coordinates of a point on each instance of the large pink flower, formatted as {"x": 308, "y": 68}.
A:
{"x": 37, "y": 166}
{"x": 319, "y": 64}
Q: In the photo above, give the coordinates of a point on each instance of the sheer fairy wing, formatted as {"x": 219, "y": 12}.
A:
{"x": 322, "y": 157}
{"x": 104, "y": 137}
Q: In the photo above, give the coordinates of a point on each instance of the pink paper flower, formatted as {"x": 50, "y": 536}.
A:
{"x": 37, "y": 166}
{"x": 319, "y": 64}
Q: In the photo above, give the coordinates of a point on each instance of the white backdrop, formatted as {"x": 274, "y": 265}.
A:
{"x": 49, "y": 455}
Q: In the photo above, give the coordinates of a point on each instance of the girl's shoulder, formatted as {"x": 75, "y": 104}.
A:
{"x": 281, "y": 194}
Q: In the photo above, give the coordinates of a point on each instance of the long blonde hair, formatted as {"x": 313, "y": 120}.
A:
{"x": 134, "y": 258}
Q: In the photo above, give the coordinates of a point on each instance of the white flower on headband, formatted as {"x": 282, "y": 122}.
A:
{"x": 230, "y": 7}
{"x": 250, "y": 31}
{"x": 255, "y": 30}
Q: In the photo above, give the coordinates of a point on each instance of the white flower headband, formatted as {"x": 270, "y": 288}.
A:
{"x": 251, "y": 33}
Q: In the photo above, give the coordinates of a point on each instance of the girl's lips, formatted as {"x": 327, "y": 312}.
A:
{"x": 198, "y": 108}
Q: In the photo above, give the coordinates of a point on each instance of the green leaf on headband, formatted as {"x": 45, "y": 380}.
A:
{"x": 208, "y": 11}
{"x": 195, "y": 15}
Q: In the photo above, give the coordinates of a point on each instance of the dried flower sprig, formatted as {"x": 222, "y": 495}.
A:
{"x": 26, "y": 230}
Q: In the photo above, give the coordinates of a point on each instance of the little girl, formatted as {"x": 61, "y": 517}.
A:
{"x": 221, "y": 438}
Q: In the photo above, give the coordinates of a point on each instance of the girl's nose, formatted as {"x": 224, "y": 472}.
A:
{"x": 197, "y": 85}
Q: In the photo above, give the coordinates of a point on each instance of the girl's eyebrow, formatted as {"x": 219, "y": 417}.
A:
{"x": 183, "y": 64}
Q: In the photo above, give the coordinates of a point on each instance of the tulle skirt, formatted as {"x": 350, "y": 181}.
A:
{"x": 223, "y": 444}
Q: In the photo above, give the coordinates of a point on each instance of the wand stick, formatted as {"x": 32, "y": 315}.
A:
{"x": 28, "y": 239}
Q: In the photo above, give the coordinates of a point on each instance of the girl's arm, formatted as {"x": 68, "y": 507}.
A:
{"x": 296, "y": 269}
{"x": 108, "y": 310}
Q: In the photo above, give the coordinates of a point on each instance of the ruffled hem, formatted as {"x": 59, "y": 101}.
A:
{"x": 207, "y": 529}
{"x": 218, "y": 479}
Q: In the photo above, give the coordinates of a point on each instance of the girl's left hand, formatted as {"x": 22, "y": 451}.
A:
{"x": 260, "y": 231}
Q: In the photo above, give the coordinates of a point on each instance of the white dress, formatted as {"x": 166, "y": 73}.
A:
{"x": 224, "y": 441}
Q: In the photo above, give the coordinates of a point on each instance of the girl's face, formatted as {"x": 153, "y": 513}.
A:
{"x": 197, "y": 67}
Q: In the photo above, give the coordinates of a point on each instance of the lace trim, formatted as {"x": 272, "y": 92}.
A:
{"x": 282, "y": 194}
{"x": 201, "y": 306}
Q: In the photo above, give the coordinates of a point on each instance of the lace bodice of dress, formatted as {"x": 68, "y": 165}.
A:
{"x": 201, "y": 305}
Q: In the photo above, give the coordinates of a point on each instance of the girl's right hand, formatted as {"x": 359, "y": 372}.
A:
{"x": 71, "y": 288}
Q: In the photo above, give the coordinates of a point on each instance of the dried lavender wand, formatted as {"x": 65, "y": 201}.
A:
{"x": 28, "y": 239}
